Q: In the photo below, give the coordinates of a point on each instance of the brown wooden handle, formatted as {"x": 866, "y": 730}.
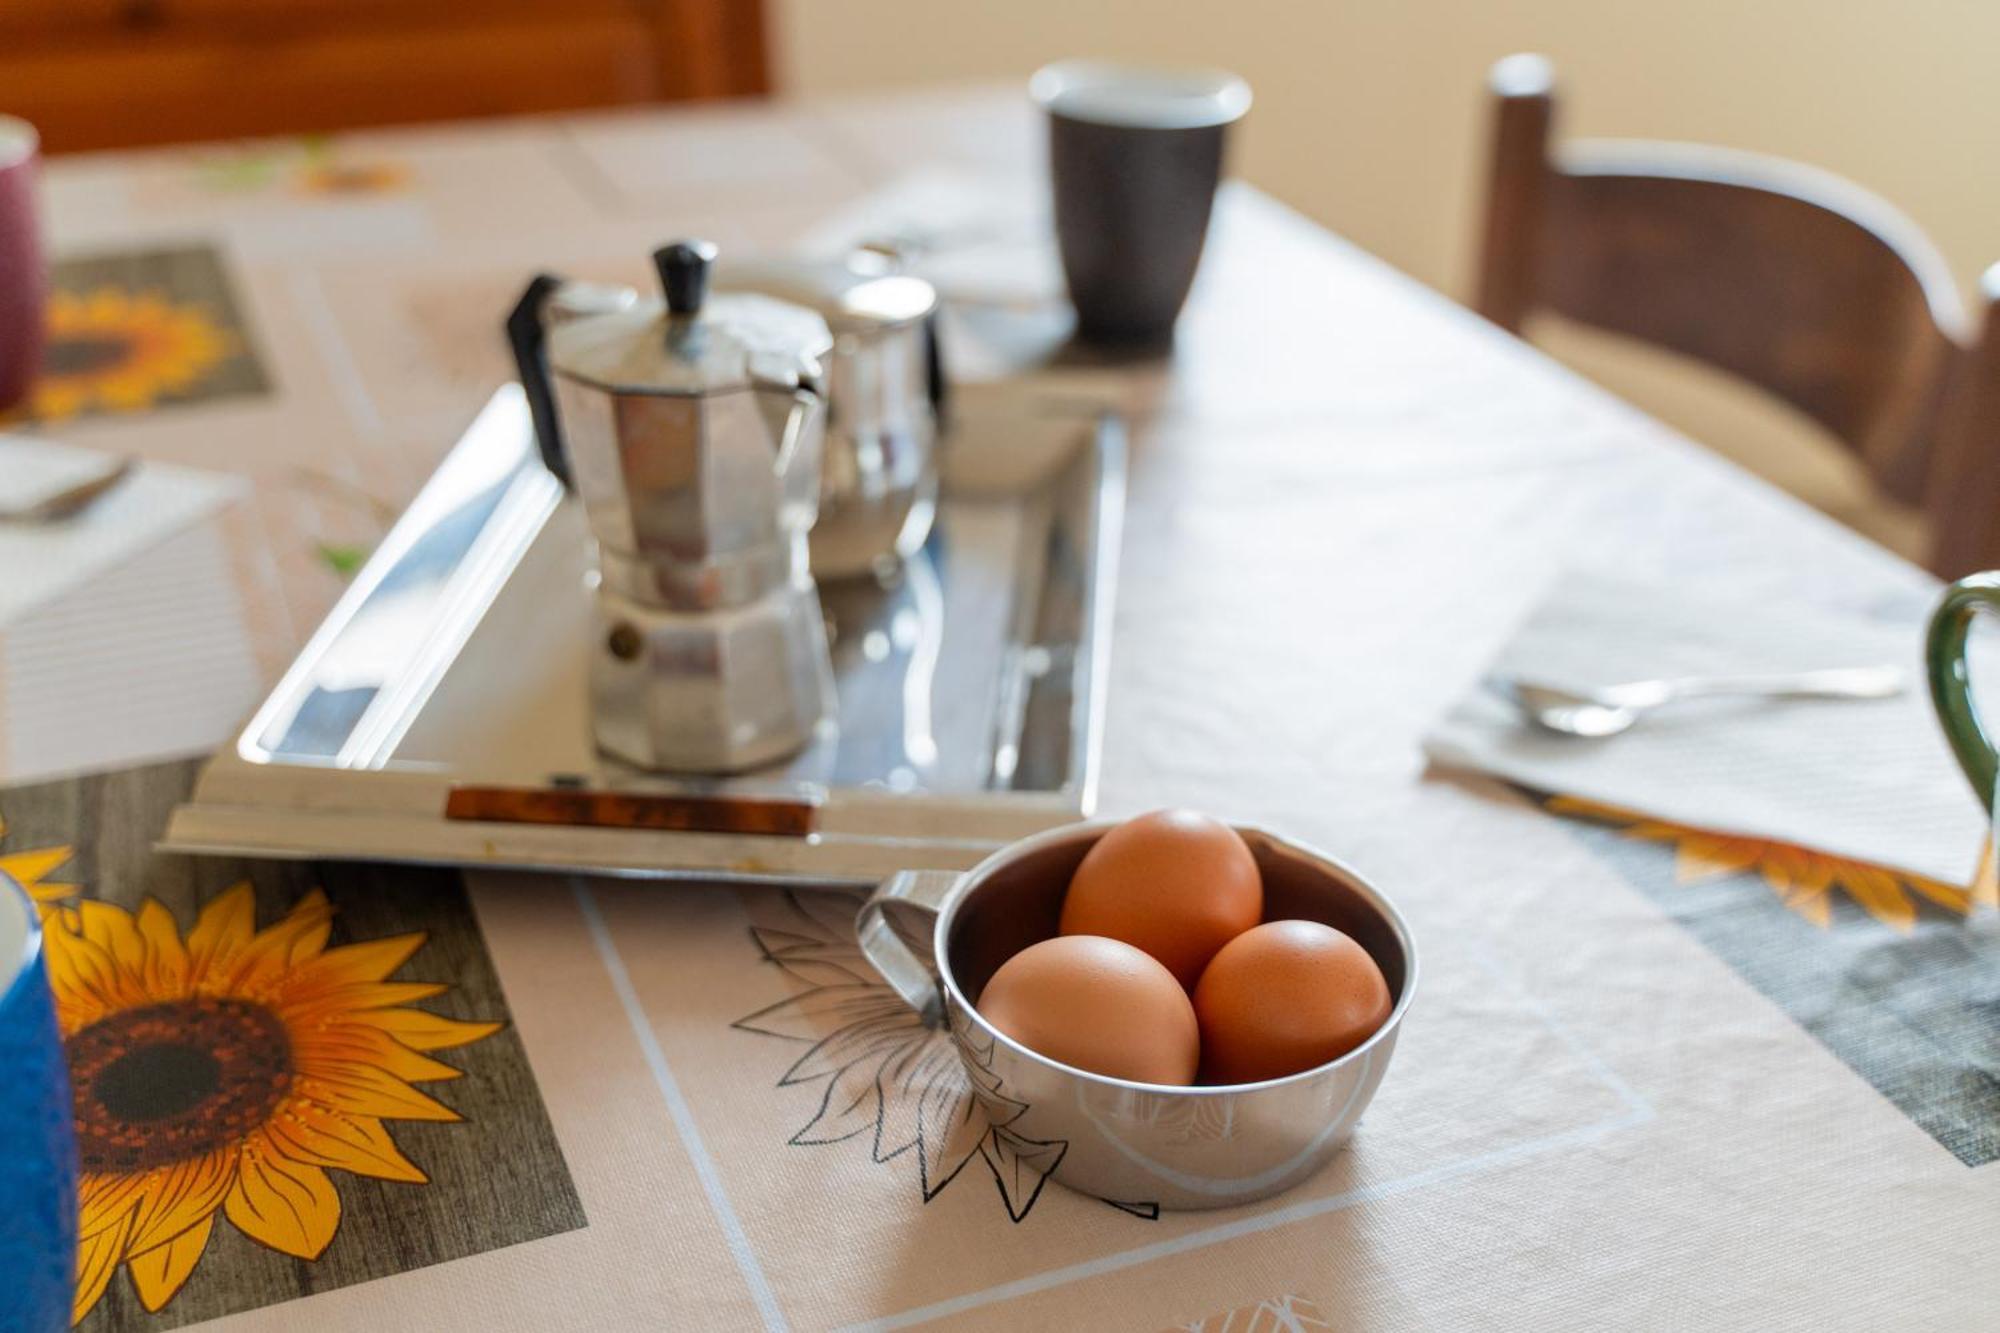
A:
{"x": 632, "y": 810}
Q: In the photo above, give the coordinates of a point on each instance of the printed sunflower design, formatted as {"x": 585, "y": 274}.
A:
{"x": 228, "y": 1073}
{"x": 879, "y": 1072}
{"x": 313, "y": 167}
{"x": 1280, "y": 1314}
{"x": 122, "y": 351}
{"x": 31, "y": 870}
{"x": 1802, "y": 879}
{"x": 328, "y": 177}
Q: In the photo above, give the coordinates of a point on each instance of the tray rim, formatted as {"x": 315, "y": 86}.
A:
{"x": 247, "y": 801}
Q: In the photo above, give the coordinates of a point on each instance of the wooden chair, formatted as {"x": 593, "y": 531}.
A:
{"x": 1793, "y": 279}
{"x": 1964, "y": 499}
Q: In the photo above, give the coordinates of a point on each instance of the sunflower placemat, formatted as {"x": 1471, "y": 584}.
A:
{"x": 314, "y": 166}
{"x": 1895, "y": 973}
{"x": 287, "y": 1078}
{"x": 1823, "y": 849}
{"x": 134, "y": 331}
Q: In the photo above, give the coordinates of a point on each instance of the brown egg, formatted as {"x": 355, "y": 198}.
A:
{"x": 1285, "y": 997}
{"x": 1096, "y": 1004}
{"x": 1177, "y": 884}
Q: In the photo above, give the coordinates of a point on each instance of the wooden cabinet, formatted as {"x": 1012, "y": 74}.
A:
{"x": 109, "y": 73}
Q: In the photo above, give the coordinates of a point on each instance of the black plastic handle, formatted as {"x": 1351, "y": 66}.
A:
{"x": 528, "y": 336}
{"x": 936, "y": 381}
{"x": 683, "y": 268}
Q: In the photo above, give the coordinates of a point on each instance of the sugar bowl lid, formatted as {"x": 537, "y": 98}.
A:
{"x": 861, "y": 292}
{"x": 694, "y": 344}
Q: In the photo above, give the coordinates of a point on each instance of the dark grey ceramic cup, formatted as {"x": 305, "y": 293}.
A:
{"x": 1136, "y": 155}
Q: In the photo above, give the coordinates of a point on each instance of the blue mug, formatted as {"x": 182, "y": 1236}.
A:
{"x": 37, "y": 1137}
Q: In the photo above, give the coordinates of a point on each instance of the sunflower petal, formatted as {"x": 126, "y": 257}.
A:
{"x": 1813, "y": 872}
{"x": 360, "y": 1090}
{"x": 31, "y": 867}
{"x": 268, "y": 956}
{"x": 1878, "y": 892}
{"x": 289, "y": 1206}
{"x": 128, "y": 394}
{"x": 1784, "y": 867}
{"x": 309, "y": 1132}
{"x": 97, "y": 1259}
{"x": 159, "y": 1272}
{"x": 311, "y": 906}
{"x": 1948, "y": 896}
{"x": 1579, "y": 807}
{"x": 105, "y": 1197}
{"x": 185, "y": 1193}
{"x": 1815, "y": 905}
{"x": 73, "y": 970}
{"x": 346, "y": 1004}
{"x": 110, "y": 927}
{"x": 422, "y": 1030}
{"x": 55, "y": 400}
{"x": 346, "y": 1044}
{"x": 85, "y": 980}
{"x": 166, "y": 967}
{"x": 49, "y": 892}
{"x": 810, "y": 1015}
{"x": 851, "y": 1105}
{"x": 873, "y": 1040}
{"x": 371, "y": 961}
{"x": 222, "y": 930}
{"x": 1704, "y": 856}
{"x": 348, "y": 1000}
{"x": 1985, "y": 888}
{"x": 312, "y": 943}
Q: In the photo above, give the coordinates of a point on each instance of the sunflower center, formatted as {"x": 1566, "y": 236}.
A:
{"x": 157, "y": 1082}
{"x": 85, "y": 354}
{"x": 168, "y": 1082}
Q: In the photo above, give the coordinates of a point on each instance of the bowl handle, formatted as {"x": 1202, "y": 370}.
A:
{"x": 909, "y": 974}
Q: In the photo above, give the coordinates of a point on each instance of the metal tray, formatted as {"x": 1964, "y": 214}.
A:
{"x": 440, "y": 713}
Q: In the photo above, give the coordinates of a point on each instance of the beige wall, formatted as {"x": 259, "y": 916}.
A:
{"x": 1370, "y": 117}
{"x": 1370, "y": 114}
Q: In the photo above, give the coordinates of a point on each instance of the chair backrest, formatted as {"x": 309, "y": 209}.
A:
{"x": 1964, "y": 501}
{"x": 1795, "y": 280}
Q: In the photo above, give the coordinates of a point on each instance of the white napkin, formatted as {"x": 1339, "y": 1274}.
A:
{"x": 1871, "y": 780}
{"x": 979, "y": 240}
{"x": 122, "y": 634}
{"x": 34, "y": 475}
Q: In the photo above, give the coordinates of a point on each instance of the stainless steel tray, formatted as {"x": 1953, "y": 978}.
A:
{"x": 441, "y": 714}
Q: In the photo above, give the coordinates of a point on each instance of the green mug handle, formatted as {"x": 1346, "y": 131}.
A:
{"x": 1951, "y": 687}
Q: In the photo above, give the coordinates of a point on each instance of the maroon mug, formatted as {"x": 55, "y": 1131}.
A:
{"x": 23, "y": 279}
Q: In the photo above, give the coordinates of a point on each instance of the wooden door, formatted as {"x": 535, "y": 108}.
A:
{"x": 111, "y": 73}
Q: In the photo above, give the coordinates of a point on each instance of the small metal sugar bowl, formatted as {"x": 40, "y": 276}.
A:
{"x": 690, "y": 430}
{"x": 885, "y": 391}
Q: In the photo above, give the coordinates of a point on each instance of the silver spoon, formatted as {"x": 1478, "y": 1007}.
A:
{"x": 1610, "y": 709}
{"x": 71, "y": 500}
